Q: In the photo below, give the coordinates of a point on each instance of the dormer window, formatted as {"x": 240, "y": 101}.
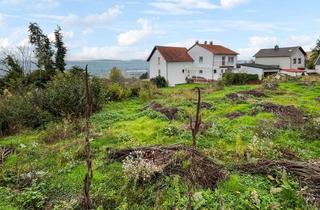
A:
{"x": 158, "y": 60}
{"x": 294, "y": 61}
{"x": 200, "y": 59}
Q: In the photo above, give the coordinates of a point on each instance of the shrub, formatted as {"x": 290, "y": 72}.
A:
{"x": 239, "y": 78}
{"x": 17, "y": 112}
{"x": 311, "y": 130}
{"x": 116, "y": 92}
{"x": 65, "y": 96}
{"x": 147, "y": 90}
{"x": 115, "y": 76}
{"x": 159, "y": 81}
{"x": 144, "y": 76}
{"x": 61, "y": 131}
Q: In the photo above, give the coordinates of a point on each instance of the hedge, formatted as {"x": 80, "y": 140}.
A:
{"x": 239, "y": 78}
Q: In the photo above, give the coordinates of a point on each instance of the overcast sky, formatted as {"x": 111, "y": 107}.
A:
{"x": 128, "y": 29}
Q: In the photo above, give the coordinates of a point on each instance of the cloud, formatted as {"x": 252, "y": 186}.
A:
{"x": 134, "y": 36}
{"x": 182, "y": 7}
{"x": 226, "y": 4}
{"x": 4, "y": 43}
{"x": 86, "y": 21}
{"x": 109, "y": 52}
{"x": 255, "y": 44}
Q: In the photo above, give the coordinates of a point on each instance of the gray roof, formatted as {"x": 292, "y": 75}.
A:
{"x": 261, "y": 66}
{"x": 278, "y": 52}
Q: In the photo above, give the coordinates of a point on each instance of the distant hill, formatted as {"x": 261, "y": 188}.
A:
{"x": 102, "y": 67}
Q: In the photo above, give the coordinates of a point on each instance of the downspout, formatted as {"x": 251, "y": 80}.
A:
{"x": 167, "y": 72}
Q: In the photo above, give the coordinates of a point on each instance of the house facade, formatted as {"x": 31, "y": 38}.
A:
{"x": 285, "y": 58}
{"x": 176, "y": 64}
{"x": 258, "y": 69}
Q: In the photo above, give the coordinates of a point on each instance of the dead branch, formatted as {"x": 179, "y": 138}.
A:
{"x": 86, "y": 202}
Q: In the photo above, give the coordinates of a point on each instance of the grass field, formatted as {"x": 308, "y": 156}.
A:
{"x": 43, "y": 174}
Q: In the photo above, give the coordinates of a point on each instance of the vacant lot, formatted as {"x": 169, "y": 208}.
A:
{"x": 239, "y": 126}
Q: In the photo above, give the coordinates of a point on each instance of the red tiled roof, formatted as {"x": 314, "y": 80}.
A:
{"x": 294, "y": 70}
{"x": 218, "y": 49}
{"x": 172, "y": 54}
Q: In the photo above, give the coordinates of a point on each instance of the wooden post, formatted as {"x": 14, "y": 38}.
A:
{"x": 86, "y": 202}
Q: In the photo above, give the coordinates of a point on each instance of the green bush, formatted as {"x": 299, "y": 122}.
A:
{"x": 239, "y": 78}
{"x": 159, "y": 81}
{"x": 18, "y": 112}
{"x": 116, "y": 92}
{"x": 64, "y": 96}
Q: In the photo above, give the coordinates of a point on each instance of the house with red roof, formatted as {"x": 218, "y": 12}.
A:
{"x": 206, "y": 62}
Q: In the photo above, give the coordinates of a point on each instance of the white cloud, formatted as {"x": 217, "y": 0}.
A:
{"x": 255, "y": 44}
{"x": 109, "y": 52}
{"x": 4, "y": 43}
{"x": 87, "y": 31}
{"x": 134, "y": 36}
{"x": 86, "y": 21}
{"x": 179, "y": 7}
{"x": 231, "y": 3}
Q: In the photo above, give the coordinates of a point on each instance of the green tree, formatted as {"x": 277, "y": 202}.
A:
{"x": 315, "y": 54}
{"x": 116, "y": 76}
{"x": 14, "y": 77}
{"x": 61, "y": 50}
{"x": 43, "y": 50}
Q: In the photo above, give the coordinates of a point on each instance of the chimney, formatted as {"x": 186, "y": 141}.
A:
{"x": 211, "y": 42}
{"x": 205, "y": 42}
{"x": 276, "y": 47}
{"x": 197, "y": 41}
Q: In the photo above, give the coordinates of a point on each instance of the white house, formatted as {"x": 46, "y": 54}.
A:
{"x": 285, "y": 58}
{"x": 177, "y": 64}
{"x": 317, "y": 64}
{"x": 170, "y": 63}
{"x": 259, "y": 69}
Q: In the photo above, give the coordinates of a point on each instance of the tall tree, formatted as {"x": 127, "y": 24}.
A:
{"x": 43, "y": 50}
{"x": 61, "y": 50}
{"x": 315, "y": 54}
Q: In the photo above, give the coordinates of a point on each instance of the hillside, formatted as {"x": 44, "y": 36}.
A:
{"x": 241, "y": 127}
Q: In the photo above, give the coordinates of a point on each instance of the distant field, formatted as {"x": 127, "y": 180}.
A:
{"x": 59, "y": 167}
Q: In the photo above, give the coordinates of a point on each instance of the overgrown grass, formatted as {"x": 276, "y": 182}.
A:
{"x": 59, "y": 168}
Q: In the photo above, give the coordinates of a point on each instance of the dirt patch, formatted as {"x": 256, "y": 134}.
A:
{"x": 287, "y": 154}
{"x": 170, "y": 113}
{"x": 234, "y": 115}
{"x": 307, "y": 172}
{"x": 4, "y": 153}
{"x": 288, "y": 114}
{"x": 255, "y": 93}
{"x": 241, "y": 95}
{"x": 177, "y": 160}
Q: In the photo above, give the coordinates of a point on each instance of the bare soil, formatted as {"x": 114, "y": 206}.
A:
{"x": 170, "y": 113}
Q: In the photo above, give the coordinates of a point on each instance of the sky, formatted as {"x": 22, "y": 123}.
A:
{"x": 129, "y": 29}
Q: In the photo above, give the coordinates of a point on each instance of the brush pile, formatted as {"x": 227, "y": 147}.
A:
{"x": 307, "y": 172}
{"x": 177, "y": 160}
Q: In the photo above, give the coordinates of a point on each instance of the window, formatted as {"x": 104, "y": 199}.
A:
{"x": 183, "y": 71}
{"x": 200, "y": 59}
{"x": 230, "y": 59}
{"x": 299, "y": 60}
{"x": 223, "y": 60}
{"x": 214, "y": 71}
{"x": 294, "y": 61}
{"x": 201, "y": 71}
{"x": 221, "y": 70}
{"x": 159, "y": 72}
{"x": 158, "y": 60}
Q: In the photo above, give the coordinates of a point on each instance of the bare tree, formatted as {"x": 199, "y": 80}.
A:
{"x": 195, "y": 126}
{"x": 86, "y": 202}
